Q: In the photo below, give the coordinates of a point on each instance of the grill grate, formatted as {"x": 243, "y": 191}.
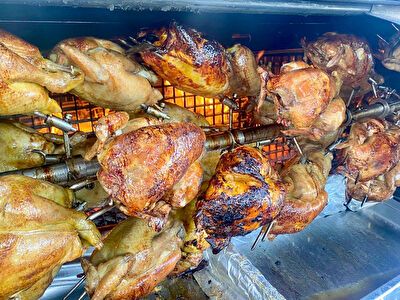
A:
{"x": 84, "y": 114}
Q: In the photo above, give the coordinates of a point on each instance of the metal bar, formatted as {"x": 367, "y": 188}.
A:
{"x": 78, "y": 168}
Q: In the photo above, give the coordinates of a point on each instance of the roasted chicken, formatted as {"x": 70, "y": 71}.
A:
{"x": 25, "y": 75}
{"x": 303, "y": 100}
{"x": 306, "y": 195}
{"x": 200, "y": 66}
{"x": 390, "y": 53}
{"x": 134, "y": 259}
{"x": 194, "y": 241}
{"x": 38, "y": 233}
{"x": 148, "y": 170}
{"x": 112, "y": 79}
{"x": 17, "y": 143}
{"x": 371, "y": 154}
{"x": 244, "y": 194}
{"x": 345, "y": 54}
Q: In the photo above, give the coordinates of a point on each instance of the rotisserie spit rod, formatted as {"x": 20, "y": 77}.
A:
{"x": 75, "y": 169}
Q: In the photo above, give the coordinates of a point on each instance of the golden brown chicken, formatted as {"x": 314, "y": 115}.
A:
{"x": 371, "y": 154}
{"x": 202, "y": 67}
{"x": 25, "y": 75}
{"x": 346, "y": 54}
{"x": 303, "y": 100}
{"x": 244, "y": 194}
{"x": 306, "y": 195}
{"x": 371, "y": 150}
{"x": 112, "y": 79}
{"x": 37, "y": 235}
{"x": 16, "y": 145}
{"x": 143, "y": 164}
{"x": 133, "y": 260}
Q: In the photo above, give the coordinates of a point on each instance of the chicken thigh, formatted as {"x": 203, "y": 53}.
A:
{"x": 38, "y": 233}
{"x": 112, "y": 79}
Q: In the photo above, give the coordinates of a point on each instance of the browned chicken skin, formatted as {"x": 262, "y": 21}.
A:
{"x": 371, "y": 160}
{"x": 25, "y": 75}
{"x": 345, "y": 54}
{"x": 306, "y": 195}
{"x": 202, "y": 67}
{"x": 133, "y": 260}
{"x": 112, "y": 79}
{"x": 244, "y": 194}
{"x": 390, "y": 53}
{"x": 37, "y": 235}
{"x": 141, "y": 166}
{"x": 303, "y": 100}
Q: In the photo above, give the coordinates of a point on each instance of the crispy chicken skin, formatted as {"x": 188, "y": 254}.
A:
{"x": 372, "y": 149}
{"x": 345, "y": 54}
{"x": 38, "y": 233}
{"x": 200, "y": 66}
{"x": 133, "y": 260}
{"x": 144, "y": 164}
{"x": 244, "y": 194}
{"x": 306, "y": 195}
{"x": 112, "y": 80}
{"x": 25, "y": 75}
{"x": 303, "y": 97}
{"x": 371, "y": 155}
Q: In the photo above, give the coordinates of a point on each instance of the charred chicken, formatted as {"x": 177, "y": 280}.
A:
{"x": 244, "y": 194}
{"x": 200, "y": 66}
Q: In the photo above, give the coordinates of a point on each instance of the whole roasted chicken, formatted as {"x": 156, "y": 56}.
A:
{"x": 134, "y": 259}
{"x": 304, "y": 99}
{"x": 112, "y": 79}
{"x": 200, "y": 66}
{"x": 346, "y": 54}
{"x": 148, "y": 169}
{"x": 244, "y": 194}
{"x": 25, "y": 75}
{"x": 38, "y": 233}
{"x": 306, "y": 195}
{"x": 371, "y": 154}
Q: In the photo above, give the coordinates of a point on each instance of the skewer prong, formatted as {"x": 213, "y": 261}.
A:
{"x": 78, "y": 284}
{"x": 270, "y": 225}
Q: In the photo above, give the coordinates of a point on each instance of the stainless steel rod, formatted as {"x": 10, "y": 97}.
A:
{"x": 78, "y": 168}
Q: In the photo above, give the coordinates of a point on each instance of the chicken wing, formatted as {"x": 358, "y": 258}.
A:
{"x": 112, "y": 80}
{"x": 244, "y": 194}
{"x": 38, "y": 233}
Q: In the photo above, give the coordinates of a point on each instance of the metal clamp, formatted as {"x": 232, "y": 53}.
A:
{"x": 156, "y": 112}
{"x": 55, "y": 122}
{"x": 48, "y": 158}
{"x": 386, "y": 109}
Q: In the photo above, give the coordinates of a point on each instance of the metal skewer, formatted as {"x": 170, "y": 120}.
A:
{"x": 82, "y": 296}
{"x": 382, "y": 39}
{"x": 263, "y": 232}
{"x": 395, "y": 27}
{"x": 74, "y": 288}
{"x": 270, "y": 225}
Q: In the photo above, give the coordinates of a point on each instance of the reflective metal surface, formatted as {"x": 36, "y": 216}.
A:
{"x": 341, "y": 255}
